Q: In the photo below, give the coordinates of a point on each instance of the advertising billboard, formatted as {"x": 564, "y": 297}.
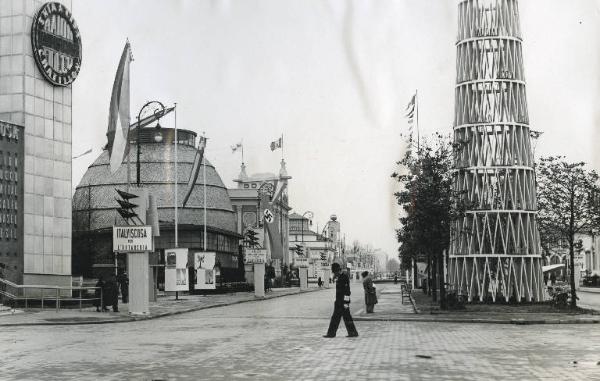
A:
{"x": 176, "y": 276}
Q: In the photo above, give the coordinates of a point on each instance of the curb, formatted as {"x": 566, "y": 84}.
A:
{"x": 483, "y": 321}
{"x": 129, "y": 319}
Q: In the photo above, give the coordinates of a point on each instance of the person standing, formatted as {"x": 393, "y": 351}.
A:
{"x": 98, "y": 294}
{"x": 123, "y": 281}
{"x": 111, "y": 294}
{"x": 341, "y": 307}
{"x": 370, "y": 292}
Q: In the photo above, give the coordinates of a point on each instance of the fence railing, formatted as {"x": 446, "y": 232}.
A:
{"x": 13, "y": 293}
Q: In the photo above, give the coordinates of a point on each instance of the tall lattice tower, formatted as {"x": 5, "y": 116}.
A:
{"x": 495, "y": 249}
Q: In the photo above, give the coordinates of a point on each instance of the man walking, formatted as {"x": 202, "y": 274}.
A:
{"x": 341, "y": 307}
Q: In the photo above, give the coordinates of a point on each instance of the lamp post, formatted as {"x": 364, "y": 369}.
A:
{"x": 151, "y": 111}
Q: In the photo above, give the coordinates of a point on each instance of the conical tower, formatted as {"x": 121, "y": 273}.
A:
{"x": 495, "y": 248}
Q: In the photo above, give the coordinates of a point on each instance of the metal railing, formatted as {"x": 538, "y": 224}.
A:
{"x": 21, "y": 293}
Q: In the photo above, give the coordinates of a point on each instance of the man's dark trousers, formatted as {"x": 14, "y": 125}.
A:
{"x": 340, "y": 312}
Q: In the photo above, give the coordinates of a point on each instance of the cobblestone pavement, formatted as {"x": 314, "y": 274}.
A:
{"x": 280, "y": 339}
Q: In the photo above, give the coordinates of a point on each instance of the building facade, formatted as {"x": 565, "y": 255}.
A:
{"x": 40, "y": 56}
{"x": 95, "y": 205}
{"x": 253, "y": 196}
{"x": 316, "y": 248}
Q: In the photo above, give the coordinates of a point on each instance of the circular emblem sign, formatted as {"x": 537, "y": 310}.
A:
{"x": 56, "y": 44}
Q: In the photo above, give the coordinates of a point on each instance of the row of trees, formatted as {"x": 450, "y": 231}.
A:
{"x": 568, "y": 205}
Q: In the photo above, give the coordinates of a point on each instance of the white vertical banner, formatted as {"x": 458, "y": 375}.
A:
{"x": 139, "y": 289}
{"x": 204, "y": 266}
{"x": 176, "y": 278}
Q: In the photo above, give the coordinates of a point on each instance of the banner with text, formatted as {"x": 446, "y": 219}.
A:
{"x": 255, "y": 255}
{"x": 132, "y": 239}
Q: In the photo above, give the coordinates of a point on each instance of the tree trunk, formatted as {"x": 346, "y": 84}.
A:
{"x": 572, "y": 251}
{"x": 415, "y": 273}
{"x": 443, "y": 304}
{"x": 572, "y": 274}
{"x": 428, "y": 283}
{"x": 434, "y": 278}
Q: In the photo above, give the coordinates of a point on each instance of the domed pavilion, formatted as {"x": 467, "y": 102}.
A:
{"x": 95, "y": 205}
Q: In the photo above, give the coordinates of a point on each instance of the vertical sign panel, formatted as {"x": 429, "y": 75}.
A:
{"x": 11, "y": 200}
{"x": 204, "y": 265}
{"x": 176, "y": 278}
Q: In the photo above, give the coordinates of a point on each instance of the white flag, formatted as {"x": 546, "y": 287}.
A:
{"x": 118, "y": 117}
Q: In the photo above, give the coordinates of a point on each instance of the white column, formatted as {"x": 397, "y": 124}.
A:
{"x": 139, "y": 291}
{"x": 259, "y": 280}
{"x": 303, "y": 273}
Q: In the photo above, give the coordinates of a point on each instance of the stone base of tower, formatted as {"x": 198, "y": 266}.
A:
{"x": 497, "y": 277}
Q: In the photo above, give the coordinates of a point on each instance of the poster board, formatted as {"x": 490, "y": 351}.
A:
{"x": 255, "y": 256}
{"x": 176, "y": 276}
{"x": 301, "y": 262}
{"x": 206, "y": 273}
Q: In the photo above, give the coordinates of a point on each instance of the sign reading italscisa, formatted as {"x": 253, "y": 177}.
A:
{"x": 132, "y": 238}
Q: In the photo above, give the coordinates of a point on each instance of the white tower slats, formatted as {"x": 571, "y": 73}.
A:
{"x": 495, "y": 248}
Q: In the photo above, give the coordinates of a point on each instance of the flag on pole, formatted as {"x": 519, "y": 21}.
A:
{"x": 277, "y": 144}
{"x": 410, "y": 114}
{"x": 234, "y": 148}
{"x": 195, "y": 169}
{"x": 410, "y": 109}
{"x": 118, "y": 116}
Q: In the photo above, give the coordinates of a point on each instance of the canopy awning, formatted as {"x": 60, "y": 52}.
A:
{"x": 552, "y": 267}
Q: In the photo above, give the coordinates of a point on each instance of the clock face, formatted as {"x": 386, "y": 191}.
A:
{"x": 56, "y": 44}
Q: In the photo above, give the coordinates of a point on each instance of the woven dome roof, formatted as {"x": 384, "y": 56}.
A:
{"x": 94, "y": 204}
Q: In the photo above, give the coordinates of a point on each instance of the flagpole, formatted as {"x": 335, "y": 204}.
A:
{"x": 204, "y": 187}
{"x": 176, "y": 180}
{"x": 242, "y": 151}
{"x": 282, "y": 146}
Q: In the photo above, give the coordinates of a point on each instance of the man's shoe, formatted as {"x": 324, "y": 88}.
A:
{"x": 328, "y": 336}
{"x": 353, "y": 335}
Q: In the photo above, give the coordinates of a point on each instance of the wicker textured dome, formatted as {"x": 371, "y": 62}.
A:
{"x": 94, "y": 204}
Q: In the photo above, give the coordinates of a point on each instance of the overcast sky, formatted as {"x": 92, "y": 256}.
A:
{"x": 334, "y": 78}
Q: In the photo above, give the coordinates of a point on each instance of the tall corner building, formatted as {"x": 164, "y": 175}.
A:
{"x": 40, "y": 57}
{"x": 495, "y": 251}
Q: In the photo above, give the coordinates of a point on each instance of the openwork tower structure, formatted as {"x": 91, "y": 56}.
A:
{"x": 495, "y": 248}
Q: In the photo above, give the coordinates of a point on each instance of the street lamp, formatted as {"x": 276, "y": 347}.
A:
{"x": 150, "y": 112}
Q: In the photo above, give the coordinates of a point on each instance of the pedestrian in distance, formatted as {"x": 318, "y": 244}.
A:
{"x": 319, "y": 282}
{"x": 370, "y": 292}
{"x": 553, "y": 278}
{"x": 111, "y": 294}
{"x": 395, "y": 279}
{"x": 98, "y": 294}
{"x": 341, "y": 307}
{"x": 123, "y": 281}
